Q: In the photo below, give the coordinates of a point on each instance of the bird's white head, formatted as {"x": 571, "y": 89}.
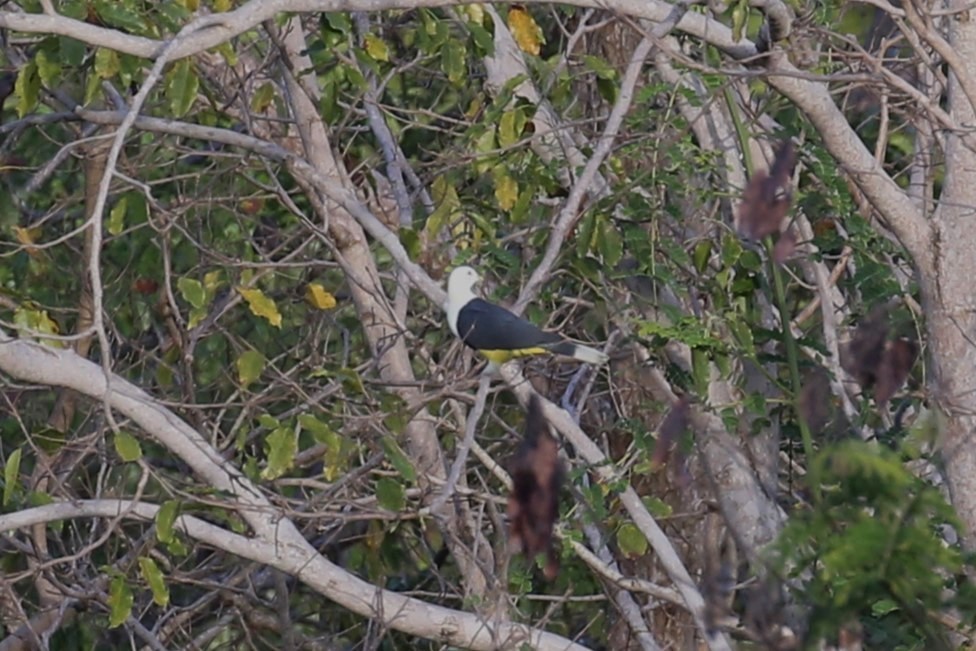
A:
{"x": 460, "y": 284}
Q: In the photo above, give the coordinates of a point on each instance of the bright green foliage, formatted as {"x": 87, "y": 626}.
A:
{"x": 873, "y": 549}
{"x": 153, "y": 576}
{"x": 120, "y": 600}
{"x": 11, "y": 473}
{"x": 127, "y": 446}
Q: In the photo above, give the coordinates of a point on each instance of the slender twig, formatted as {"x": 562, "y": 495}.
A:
{"x": 462, "y": 452}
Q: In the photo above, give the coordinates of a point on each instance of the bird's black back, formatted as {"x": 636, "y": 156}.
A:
{"x": 486, "y": 326}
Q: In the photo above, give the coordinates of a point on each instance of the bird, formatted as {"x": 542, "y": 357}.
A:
{"x": 497, "y": 333}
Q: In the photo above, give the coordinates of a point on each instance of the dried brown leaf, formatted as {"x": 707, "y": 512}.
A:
{"x": 814, "y": 402}
{"x": 533, "y": 505}
{"x": 766, "y": 199}
{"x": 672, "y": 427}
{"x": 785, "y": 247}
{"x": 876, "y": 362}
{"x": 896, "y": 363}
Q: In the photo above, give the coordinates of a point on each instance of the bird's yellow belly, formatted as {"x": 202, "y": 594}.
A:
{"x": 502, "y": 356}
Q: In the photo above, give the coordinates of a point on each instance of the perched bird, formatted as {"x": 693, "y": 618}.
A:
{"x": 498, "y": 334}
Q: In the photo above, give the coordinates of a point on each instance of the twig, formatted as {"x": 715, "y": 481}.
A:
{"x": 95, "y": 220}
{"x": 629, "y": 499}
{"x": 569, "y": 213}
{"x": 462, "y": 453}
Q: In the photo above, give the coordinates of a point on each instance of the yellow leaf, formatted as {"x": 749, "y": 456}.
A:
{"x": 261, "y": 305}
{"x": 27, "y": 237}
{"x": 318, "y": 297}
{"x": 506, "y": 191}
{"x": 476, "y": 13}
{"x": 527, "y": 33}
{"x": 222, "y": 5}
{"x": 377, "y": 48}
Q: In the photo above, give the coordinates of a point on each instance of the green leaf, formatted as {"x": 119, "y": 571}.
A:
{"x": 282, "y": 446}
{"x": 120, "y": 14}
{"x": 263, "y": 97}
{"x": 27, "y": 88}
{"x": 883, "y": 607}
{"x": 119, "y": 602}
{"x": 107, "y": 63}
{"x": 249, "y": 367}
{"x": 261, "y": 305}
{"x": 182, "y": 87}
{"x": 701, "y": 254}
{"x": 116, "y": 218}
{"x": 157, "y": 582}
{"x": 739, "y": 16}
{"x": 611, "y": 244}
{"x": 390, "y": 494}
{"x": 398, "y": 459}
{"x": 48, "y": 69}
{"x": 72, "y": 52}
{"x": 453, "y": 61}
{"x": 127, "y": 446}
{"x": 334, "y": 457}
{"x": 657, "y": 507}
{"x": 377, "y": 48}
{"x": 165, "y": 519}
{"x": 508, "y": 131}
{"x": 192, "y": 291}
{"x": 11, "y": 472}
{"x": 631, "y": 541}
{"x": 602, "y": 69}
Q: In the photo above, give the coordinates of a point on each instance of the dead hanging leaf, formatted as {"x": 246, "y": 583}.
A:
{"x": 814, "y": 402}
{"x": 862, "y": 356}
{"x": 785, "y": 247}
{"x": 533, "y": 505}
{"x": 672, "y": 427}
{"x": 896, "y": 364}
{"x": 526, "y": 32}
{"x": 876, "y": 362}
{"x": 766, "y": 199}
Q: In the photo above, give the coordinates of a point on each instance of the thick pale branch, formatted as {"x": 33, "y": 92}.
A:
{"x": 277, "y": 541}
{"x": 399, "y": 612}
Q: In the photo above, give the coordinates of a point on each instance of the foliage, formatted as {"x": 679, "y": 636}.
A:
{"x": 227, "y": 298}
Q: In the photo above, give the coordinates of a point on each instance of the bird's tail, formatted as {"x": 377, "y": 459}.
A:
{"x": 580, "y": 352}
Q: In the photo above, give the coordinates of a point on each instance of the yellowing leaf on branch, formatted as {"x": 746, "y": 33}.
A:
{"x": 527, "y": 33}
{"x": 31, "y": 321}
{"x": 107, "y": 63}
{"x": 250, "y": 365}
{"x": 476, "y": 13}
{"x": 261, "y": 305}
{"x": 317, "y": 295}
{"x": 506, "y": 190}
{"x": 377, "y": 48}
{"x": 281, "y": 446}
{"x": 27, "y": 237}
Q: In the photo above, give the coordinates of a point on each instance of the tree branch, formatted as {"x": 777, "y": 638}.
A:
{"x": 300, "y": 560}
{"x": 277, "y": 541}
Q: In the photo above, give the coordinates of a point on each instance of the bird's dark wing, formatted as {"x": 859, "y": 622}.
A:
{"x": 486, "y": 326}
